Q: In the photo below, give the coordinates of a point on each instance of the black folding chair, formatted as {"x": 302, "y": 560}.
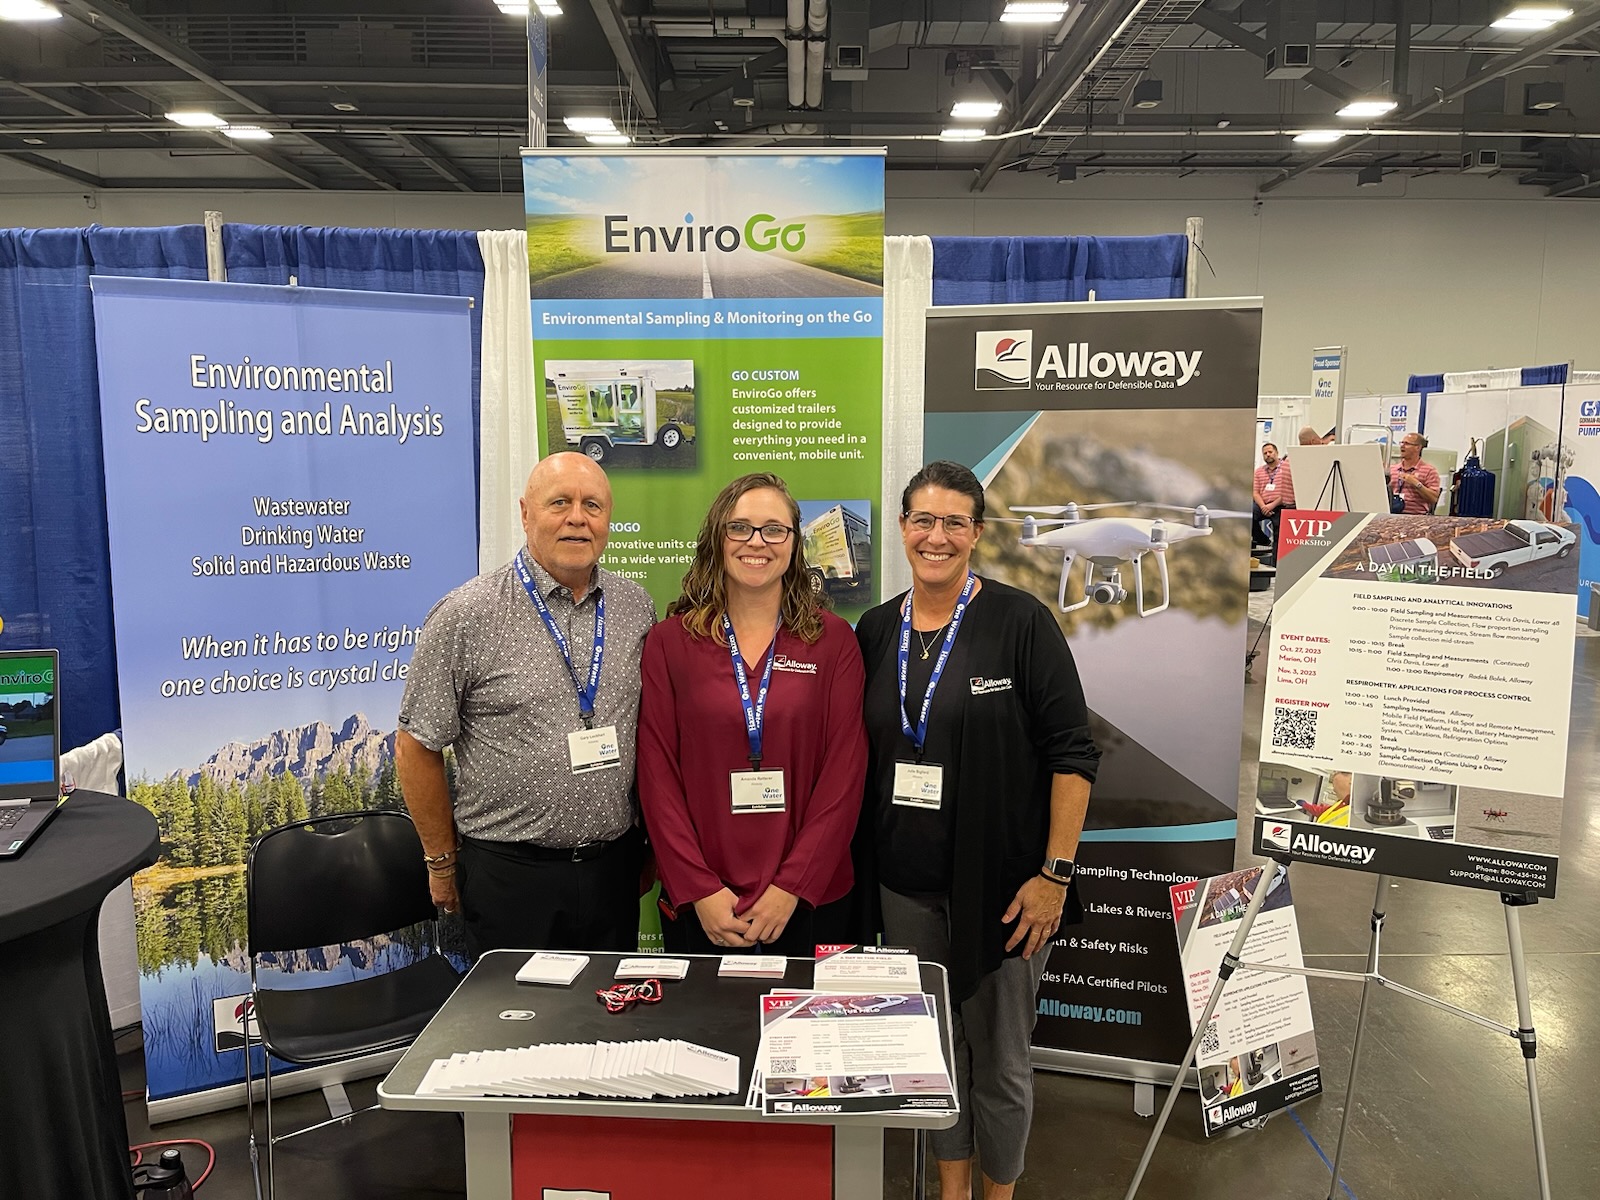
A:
{"x": 324, "y": 882}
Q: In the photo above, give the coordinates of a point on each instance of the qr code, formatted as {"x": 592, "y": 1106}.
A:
{"x": 1211, "y": 1043}
{"x": 1295, "y": 728}
{"x": 785, "y": 1066}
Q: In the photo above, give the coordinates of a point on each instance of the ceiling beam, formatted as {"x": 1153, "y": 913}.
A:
{"x": 441, "y": 164}
{"x": 1232, "y": 31}
{"x": 748, "y": 69}
{"x": 1580, "y": 24}
{"x": 1092, "y": 37}
{"x": 19, "y": 151}
{"x": 640, "y": 78}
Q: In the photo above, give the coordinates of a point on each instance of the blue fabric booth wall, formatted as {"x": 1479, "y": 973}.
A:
{"x": 55, "y": 582}
{"x": 1044, "y": 270}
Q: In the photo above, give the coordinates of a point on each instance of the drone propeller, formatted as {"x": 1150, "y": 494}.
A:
{"x": 1057, "y": 509}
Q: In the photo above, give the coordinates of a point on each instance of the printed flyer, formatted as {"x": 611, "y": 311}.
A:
{"x": 698, "y": 316}
{"x": 1419, "y": 686}
{"x": 1259, "y": 1054}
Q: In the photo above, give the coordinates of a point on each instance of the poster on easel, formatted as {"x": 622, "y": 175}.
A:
{"x": 1109, "y": 438}
{"x": 1259, "y": 1052}
{"x": 1418, "y": 692}
{"x": 289, "y": 488}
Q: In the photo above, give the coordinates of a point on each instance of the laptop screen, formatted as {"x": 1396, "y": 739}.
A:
{"x": 30, "y": 725}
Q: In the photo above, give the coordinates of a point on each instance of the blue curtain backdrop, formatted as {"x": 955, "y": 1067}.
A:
{"x": 1044, "y": 270}
{"x": 55, "y": 582}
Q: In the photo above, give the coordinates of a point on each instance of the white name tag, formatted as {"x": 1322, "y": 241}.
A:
{"x": 594, "y": 749}
{"x": 757, "y": 791}
{"x": 918, "y": 785}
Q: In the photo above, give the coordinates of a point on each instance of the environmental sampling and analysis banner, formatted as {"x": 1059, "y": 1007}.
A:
{"x": 1418, "y": 699}
{"x": 289, "y": 488}
{"x": 1109, "y": 438}
{"x": 699, "y": 316}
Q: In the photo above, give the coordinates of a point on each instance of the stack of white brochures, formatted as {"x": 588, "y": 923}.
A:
{"x": 864, "y": 1052}
{"x": 547, "y": 966}
{"x": 842, "y": 968}
{"x": 629, "y": 1070}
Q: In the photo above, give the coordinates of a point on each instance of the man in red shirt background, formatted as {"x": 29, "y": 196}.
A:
{"x": 1414, "y": 481}
{"x": 1273, "y": 492}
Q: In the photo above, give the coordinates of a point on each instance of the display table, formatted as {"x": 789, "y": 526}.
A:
{"x": 65, "y": 1133}
{"x": 523, "y": 1148}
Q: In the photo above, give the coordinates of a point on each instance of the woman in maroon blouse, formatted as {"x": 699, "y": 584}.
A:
{"x": 752, "y": 753}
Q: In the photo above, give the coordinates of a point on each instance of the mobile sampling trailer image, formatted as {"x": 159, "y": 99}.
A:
{"x": 838, "y": 548}
{"x": 603, "y": 410}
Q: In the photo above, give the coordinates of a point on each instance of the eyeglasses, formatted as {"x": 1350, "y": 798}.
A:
{"x": 623, "y": 996}
{"x": 923, "y": 522}
{"x": 773, "y": 534}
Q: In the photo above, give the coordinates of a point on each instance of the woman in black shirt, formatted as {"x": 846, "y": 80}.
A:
{"x": 976, "y": 796}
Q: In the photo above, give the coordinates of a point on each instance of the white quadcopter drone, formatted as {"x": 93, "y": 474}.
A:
{"x": 1106, "y": 543}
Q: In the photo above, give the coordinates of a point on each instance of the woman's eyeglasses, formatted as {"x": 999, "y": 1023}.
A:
{"x": 923, "y": 522}
{"x": 773, "y": 534}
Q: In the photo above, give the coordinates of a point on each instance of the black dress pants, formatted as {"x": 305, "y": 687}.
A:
{"x": 516, "y": 897}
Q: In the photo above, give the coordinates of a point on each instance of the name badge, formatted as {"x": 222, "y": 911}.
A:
{"x": 594, "y": 749}
{"x": 918, "y": 785}
{"x": 1272, "y": 486}
{"x": 757, "y": 791}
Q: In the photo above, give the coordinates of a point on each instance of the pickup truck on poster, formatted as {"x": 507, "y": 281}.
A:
{"x": 1516, "y": 542}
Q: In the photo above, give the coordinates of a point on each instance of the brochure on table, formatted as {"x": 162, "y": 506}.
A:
{"x": 1259, "y": 1054}
{"x": 1419, "y": 685}
{"x": 831, "y": 1053}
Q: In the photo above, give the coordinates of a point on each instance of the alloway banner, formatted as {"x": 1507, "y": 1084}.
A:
{"x": 289, "y": 488}
{"x": 700, "y": 315}
{"x": 1108, "y": 437}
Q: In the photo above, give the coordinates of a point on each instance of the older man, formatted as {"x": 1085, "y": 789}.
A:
{"x": 1416, "y": 483}
{"x": 531, "y": 673}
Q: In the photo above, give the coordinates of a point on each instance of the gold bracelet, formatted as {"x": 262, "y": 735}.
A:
{"x": 435, "y": 859}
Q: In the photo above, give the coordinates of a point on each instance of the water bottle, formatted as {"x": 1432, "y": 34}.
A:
{"x": 164, "y": 1181}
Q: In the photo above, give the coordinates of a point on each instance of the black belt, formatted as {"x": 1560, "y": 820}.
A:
{"x": 524, "y": 850}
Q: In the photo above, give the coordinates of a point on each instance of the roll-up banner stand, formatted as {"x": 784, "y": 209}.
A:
{"x": 289, "y": 488}
{"x": 699, "y": 316}
{"x": 1111, "y": 435}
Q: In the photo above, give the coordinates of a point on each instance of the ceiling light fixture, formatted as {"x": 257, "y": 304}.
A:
{"x": 1542, "y": 97}
{"x": 548, "y": 8}
{"x": 33, "y": 141}
{"x": 608, "y": 139}
{"x": 974, "y": 110}
{"x": 247, "y": 133}
{"x": 1373, "y": 107}
{"x": 195, "y": 119}
{"x": 590, "y": 124}
{"x": 1530, "y": 18}
{"x": 345, "y": 106}
{"x": 28, "y": 10}
{"x": 512, "y": 8}
{"x": 1034, "y": 12}
{"x": 960, "y": 133}
{"x": 744, "y": 92}
{"x": 1147, "y": 93}
{"x": 1370, "y": 176}
{"x": 1319, "y": 137}
{"x": 1066, "y": 173}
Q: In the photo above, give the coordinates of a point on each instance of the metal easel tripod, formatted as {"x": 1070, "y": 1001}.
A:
{"x": 1523, "y": 1032}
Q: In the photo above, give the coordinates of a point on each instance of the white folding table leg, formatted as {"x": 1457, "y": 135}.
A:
{"x": 488, "y": 1155}
{"x": 857, "y": 1162}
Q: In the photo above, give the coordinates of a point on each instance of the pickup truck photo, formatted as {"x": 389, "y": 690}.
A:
{"x": 1516, "y": 542}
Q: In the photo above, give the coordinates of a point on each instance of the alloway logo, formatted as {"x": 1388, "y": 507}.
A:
{"x": 761, "y": 232}
{"x": 1003, "y": 360}
{"x": 820, "y": 1108}
{"x": 982, "y": 686}
{"x": 1315, "y": 843}
{"x": 1277, "y": 836}
{"x": 1232, "y": 1112}
{"x": 793, "y": 665}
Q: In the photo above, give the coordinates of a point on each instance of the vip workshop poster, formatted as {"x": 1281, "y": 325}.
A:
{"x": 1418, "y": 693}
{"x": 1259, "y": 1054}
{"x": 699, "y": 316}
{"x": 1108, "y": 437}
{"x": 289, "y": 490}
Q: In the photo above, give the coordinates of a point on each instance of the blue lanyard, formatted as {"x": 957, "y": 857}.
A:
{"x": 755, "y": 710}
{"x": 586, "y": 695}
{"x": 919, "y": 735}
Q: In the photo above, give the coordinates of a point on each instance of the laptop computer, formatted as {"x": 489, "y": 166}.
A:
{"x": 30, "y": 747}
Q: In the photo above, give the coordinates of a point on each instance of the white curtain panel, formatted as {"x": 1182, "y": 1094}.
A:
{"x": 508, "y": 401}
{"x": 907, "y": 296}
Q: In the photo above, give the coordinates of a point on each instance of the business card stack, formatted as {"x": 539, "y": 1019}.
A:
{"x": 627, "y": 1070}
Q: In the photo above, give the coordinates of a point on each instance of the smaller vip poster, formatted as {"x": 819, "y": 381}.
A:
{"x": 1419, "y": 684}
{"x": 1259, "y": 1054}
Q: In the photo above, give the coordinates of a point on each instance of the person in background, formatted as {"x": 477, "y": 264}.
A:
{"x": 977, "y": 786}
{"x": 1273, "y": 491}
{"x": 751, "y": 748}
{"x": 1415, "y": 482}
{"x": 531, "y": 672}
{"x": 1310, "y": 437}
